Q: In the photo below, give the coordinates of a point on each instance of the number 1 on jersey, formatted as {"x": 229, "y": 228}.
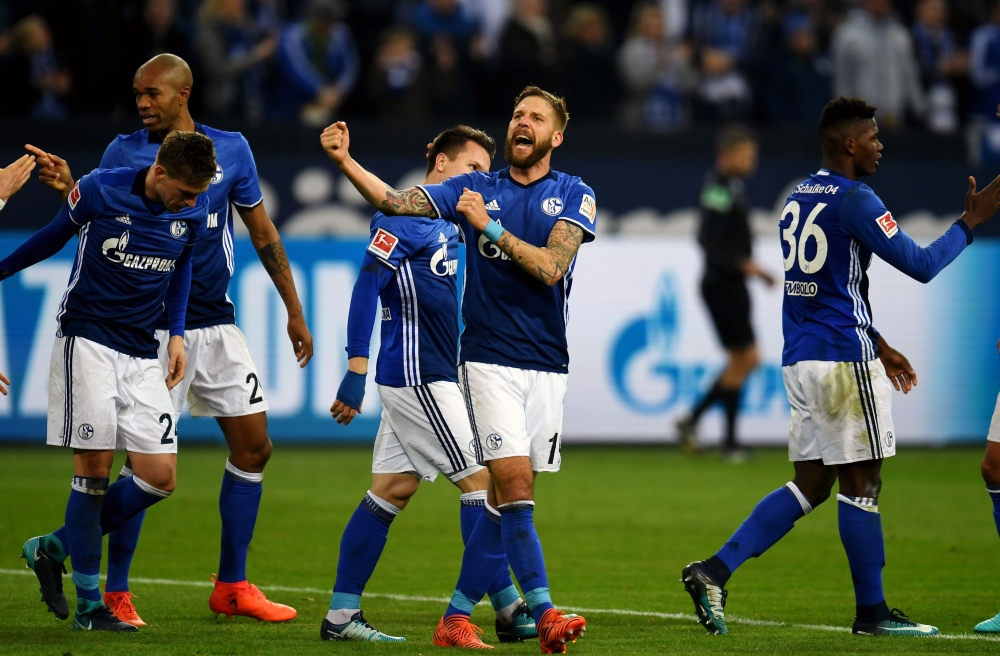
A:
{"x": 810, "y": 229}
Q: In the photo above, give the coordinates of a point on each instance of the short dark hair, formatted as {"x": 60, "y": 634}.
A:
{"x": 732, "y": 135}
{"x": 843, "y": 111}
{"x": 188, "y": 156}
{"x": 558, "y": 104}
{"x": 453, "y": 140}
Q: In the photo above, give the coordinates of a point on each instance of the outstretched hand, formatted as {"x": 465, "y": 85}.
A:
{"x": 53, "y": 171}
{"x": 897, "y": 367}
{"x": 980, "y": 207}
{"x": 3, "y": 380}
{"x": 14, "y": 176}
{"x": 336, "y": 141}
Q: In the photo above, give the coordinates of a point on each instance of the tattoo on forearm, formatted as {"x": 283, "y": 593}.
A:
{"x": 274, "y": 258}
{"x": 409, "y": 202}
{"x": 547, "y": 264}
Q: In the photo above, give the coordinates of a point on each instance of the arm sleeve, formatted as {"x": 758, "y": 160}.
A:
{"x": 374, "y": 276}
{"x": 866, "y": 219}
{"x": 246, "y": 192}
{"x": 42, "y": 245}
{"x": 444, "y": 197}
{"x": 177, "y": 292}
{"x": 581, "y": 209}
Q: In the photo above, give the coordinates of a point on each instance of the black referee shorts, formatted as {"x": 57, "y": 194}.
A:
{"x": 728, "y": 302}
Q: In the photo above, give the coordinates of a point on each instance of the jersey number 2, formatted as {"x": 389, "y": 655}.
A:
{"x": 254, "y": 398}
{"x": 166, "y": 439}
{"x": 810, "y": 229}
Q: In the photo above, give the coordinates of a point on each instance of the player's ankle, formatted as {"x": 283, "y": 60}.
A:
{"x": 874, "y": 613}
{"x": 340, "y": 616}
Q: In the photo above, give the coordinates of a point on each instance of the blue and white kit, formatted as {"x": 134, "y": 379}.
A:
{"x": 133, "y": 263}
{"x": 838, "y": 389}
{"x": 514, "y": 357}
{"x": 411, "y": 265}
{"x": 221, "y": 379}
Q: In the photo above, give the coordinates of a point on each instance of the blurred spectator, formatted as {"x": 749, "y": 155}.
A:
{"x": 528, "y": 51}
{"x": 589, "y": 76}
{"x": 985, "y": 66}
{"x": 155, "y": 33}
{"x": 940, "y": 61}
{"x": 799, "y": 81}
{"x": 491, "y": 16}
{"x": 318, "y": 64}
{"x": 675, "y": 17}
{"x": 724, "y": 33}
{"x": 656, "y": 72}
{"x": 399, "y": 82}
{"x": 873, "y": 59}
{"x": 450, "y": 41}
{"x": 232, "y": 51}
{"x": 34, "y": 83}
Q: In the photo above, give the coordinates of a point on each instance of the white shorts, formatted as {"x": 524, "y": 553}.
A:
{"x": 424, "y": 431}
{"x": 994, "y": 434}
{"x": 841, "y": 411}
{"x": 515, "y": 412}
{"x": 102, "y": 400}
{"x": 221, "y": 379}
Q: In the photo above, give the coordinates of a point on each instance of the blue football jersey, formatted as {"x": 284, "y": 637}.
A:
{"x": 125, "y": 258}
{"x": 235, "y": 182}
{"x": 419, "y": 300}
{"x": 512, "y": 318}
{"x": 829, "y": 229}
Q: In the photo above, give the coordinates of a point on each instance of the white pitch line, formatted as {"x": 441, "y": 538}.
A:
{"x": 599, "y": 611}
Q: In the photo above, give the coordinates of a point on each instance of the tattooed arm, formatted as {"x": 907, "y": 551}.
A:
{"x": 408, "y": 202}
{"x": 272, "y": 255}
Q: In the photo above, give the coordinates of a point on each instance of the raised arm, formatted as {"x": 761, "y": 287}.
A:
{"x": 272, "y": 255}
{"x": 408, "y": 202}
{"x": 40, "y": 246}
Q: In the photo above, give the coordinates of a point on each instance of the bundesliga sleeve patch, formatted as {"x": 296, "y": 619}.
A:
{"x": 888, "y": 225}
{"x": 74, "y": 197}
{"x": 588, "y": 207}
{"x": 383, "y": 244}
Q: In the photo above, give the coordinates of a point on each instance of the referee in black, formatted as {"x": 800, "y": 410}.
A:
{"x": 724, "y": 234}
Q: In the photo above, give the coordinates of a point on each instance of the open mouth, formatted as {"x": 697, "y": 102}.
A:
{"x": 148, "y": 118}
{"x": 523, "y": 142}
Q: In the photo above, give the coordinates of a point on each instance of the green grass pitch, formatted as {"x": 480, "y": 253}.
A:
{"x": 617, "y": 524}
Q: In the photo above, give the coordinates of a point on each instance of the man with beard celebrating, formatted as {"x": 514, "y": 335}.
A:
{"x": 514, "y": 359}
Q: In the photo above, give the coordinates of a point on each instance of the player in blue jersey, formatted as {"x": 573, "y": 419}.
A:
{"x": 514, "y": 360}
{"x": 839, "y": 372}
{"x": 411, "y": 265}
{"x": 221, "y": 381}
{"x": 137, "y": 228}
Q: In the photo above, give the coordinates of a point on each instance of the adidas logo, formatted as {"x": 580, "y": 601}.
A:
{"x": 124, "y": 219}
{"x": 442, "y": 239}
{"x": 492, "y": 206}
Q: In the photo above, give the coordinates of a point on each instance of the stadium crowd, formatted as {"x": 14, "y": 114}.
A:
{"x": 653, "y": 64}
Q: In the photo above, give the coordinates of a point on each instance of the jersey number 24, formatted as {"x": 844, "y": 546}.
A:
{"x": 798, "y": 238}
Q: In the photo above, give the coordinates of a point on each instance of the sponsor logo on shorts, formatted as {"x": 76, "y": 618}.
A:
{"x": 796, "y": 288}
{"x": 85, "y": 431}
{"x": 888, "y": 225}
{"x": 494, "y": 442}
{"x": 888, "y": 439}
{"x": 383, "y": 244}
{"x": 552, "y": 206}
{"x": 178, "y": 229}
{"x": 588, "y": 207}
{"x": 217, "y": 178}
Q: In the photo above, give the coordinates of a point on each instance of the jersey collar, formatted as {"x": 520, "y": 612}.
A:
{"x": 551, "y": 175}
{"x": 139, "y": 189}
{"x": 155, "y": 138}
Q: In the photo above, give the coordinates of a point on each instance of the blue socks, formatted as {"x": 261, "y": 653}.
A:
{"x": 122, "y": 542}
{"x": 360, "y": 548}
{"x": 484, "y": 565}
{"x": 861, "y": 533}
{"x": 83, "y": 534}
{"x": 524, "y": 551}
{"x": 239, "y": 501}
{"x": 772, "y": 518}
{"x": 994, "y": 491}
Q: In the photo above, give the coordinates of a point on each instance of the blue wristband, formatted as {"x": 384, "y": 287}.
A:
{"x": 493, "y": 230}
{"x": 352, "y": 389}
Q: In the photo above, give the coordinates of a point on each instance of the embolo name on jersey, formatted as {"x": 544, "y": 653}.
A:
{"x": 128, "y": 246}
{"x": 512, "y": 318}
{"x": 235, "y": 182}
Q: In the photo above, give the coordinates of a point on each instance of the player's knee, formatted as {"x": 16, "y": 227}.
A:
{"x": 253, "y": 457}
{"x": 162, "y": 480}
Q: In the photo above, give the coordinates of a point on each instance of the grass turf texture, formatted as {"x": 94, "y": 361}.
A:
{"x": 617, "y": 524}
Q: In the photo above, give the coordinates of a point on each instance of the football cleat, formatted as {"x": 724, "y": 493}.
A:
{"x": 521, "y": 627}
{"x": 49, "y": 574}
{"x": 458, "y": 631}
{"x": 991, "y": 625}
{"x": 245, "y": 598}
{"x": 556, "y": 628}
{"x": 357, "y": 629}
{"x": 897, "y": 623}
{"x": 709, "y": 598}
{"x": 120, "y": 604}
{"x": 102, "y": 619}
{"x": 687, "y": 436}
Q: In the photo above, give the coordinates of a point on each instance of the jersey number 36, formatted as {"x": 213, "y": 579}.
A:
{"x": 797, "y": 239}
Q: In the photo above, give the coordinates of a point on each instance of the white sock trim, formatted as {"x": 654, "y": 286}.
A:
{"x": 516, "y": 503}
{"x": 478, "y": 495}
{"x": 125, "y": 472}
{"x": 247, "y": 476}
{"x": 340, "y": 615}
{"x": 149, "y": 489}
{"x": 383, "y": 504}
{"x": 864, "y": 503}
{"x": 803, "y": 501}
{"x": 490, "y": 509}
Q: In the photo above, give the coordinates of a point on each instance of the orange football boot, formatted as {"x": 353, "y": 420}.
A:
{"x": 458, "y": 631}
{"x": 120, "y": 604}
{"x": 557, "y": 628}
{"x": 245, "y": 598}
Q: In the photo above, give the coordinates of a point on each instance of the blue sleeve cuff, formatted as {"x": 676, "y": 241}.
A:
{"x": 968, "y": 233}
{"x": 352, "y": 389}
